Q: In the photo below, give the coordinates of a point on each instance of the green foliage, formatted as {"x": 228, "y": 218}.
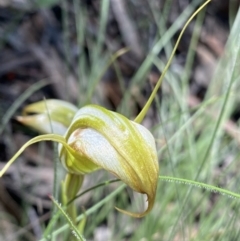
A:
{"x": 196, "y": 141}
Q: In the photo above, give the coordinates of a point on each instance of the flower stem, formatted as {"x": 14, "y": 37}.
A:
{"x": 145, "y": 109}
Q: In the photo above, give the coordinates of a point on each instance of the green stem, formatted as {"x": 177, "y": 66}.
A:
{"x": 202, "y": 185}
{"x": 56, "y": 216}
{"x": 92, "y": 188}
{"x": 145, "y": 109}
{"x": 89, "y": 211}
{"x": 75, "y": 231}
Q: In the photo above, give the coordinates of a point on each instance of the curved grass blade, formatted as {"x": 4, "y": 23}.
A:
{"x": 75, "y": 231}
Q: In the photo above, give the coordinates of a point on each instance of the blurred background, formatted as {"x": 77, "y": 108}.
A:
{"x": 112, "y": 53}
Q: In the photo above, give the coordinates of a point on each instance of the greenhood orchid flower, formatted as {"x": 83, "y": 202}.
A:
{"x": 104, "y": 139}
{"x": 48, "y": 116}
{"x": 95, "y": 138}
